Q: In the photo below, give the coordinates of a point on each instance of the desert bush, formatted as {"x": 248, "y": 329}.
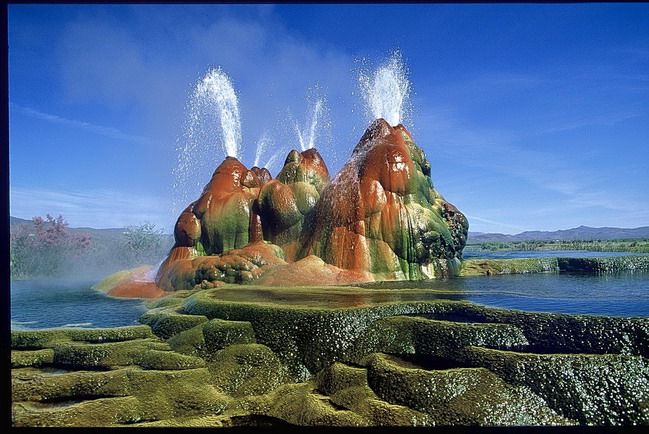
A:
{"x": 142, "y": 244}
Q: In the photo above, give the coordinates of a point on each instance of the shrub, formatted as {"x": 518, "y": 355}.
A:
{"x": 43, "y": 248}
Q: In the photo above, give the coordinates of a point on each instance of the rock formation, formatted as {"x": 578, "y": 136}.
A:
{"x": 379, "y": 218}
{"x": 285, "y": 202}
{"x": 382, "y": 214}
{"x": 333, "y": 356}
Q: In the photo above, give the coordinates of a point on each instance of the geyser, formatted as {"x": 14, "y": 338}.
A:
{"x": 263, "y": 143}
{"x": 380, "y": 218}
{"x": 386, "y": 91}
{"x": 212, "y": 126}
{"x": 308, "y": 135}
{"x": 215, "y": 93}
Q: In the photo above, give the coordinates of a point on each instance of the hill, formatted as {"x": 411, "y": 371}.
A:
{"x": 579, "y": 233}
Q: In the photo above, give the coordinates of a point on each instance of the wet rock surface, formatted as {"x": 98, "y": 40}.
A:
{"x": 382, "y": 214}
{"x": 336, "y": 356}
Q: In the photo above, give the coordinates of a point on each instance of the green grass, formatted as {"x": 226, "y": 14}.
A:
{"x": 630, "y": 246}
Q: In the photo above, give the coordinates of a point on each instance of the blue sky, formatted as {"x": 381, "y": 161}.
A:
{"x": 533, "y": 116}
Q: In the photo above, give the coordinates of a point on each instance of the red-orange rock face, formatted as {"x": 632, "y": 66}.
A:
{"x": 381, "y": 213}
{"x": 233, "y": 266}
{"x": 262, "y": 174}
{"x": 220, "y": 219}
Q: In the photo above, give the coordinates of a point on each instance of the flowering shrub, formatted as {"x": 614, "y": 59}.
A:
{"x": 43, "y": 248}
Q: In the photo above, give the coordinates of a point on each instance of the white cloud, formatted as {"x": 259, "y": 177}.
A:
{"x": 494, "y": 226}
{"x": 601, "y": 119}
{"x": 100, "y": 208}
{"x": 98, "y": 129}
{"x": 496, "y": 150}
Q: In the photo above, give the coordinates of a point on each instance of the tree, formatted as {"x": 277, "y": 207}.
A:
{"x": 44, "y": 248}
{"x": 142, "y": 243}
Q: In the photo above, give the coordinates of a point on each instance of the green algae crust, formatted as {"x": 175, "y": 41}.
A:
{"x": 333, "y": 356}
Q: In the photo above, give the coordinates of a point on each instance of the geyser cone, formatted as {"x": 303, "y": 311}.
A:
{"x": 262, "y": 174}
{"x": 285, "y": 203}
{"x": 382, "y": 214}
{"x": 379, "y": 219}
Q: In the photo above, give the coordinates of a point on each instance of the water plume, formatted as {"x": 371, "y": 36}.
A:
{"x": 273, "y": 159}
{"x": 386, "y": 91}
{"x": 263, "y": 143}
{"x": 216, "y": 93}
{"x": 316, "y": 121}
{"x": 212, "y": 118}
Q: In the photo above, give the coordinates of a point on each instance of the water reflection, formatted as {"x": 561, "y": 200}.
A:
{"x": 48, "y": 304}
{"x": 616, "y": 294}
{"x": 331, "y": 297}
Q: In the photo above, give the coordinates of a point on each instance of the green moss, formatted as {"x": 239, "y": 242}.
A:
{"x": 34, "y": 339}
{"x": 168, "y": 360}
{"x": 413, "y": 335}
{"x": 300, "y": 404}
{"x": 219, "y": 334}
{"x": 301, "y": 337}
{"x": 347, "y": 387}
{"x": 481, "y": 267}
{"x": 207, "y": 338}
{"x": 39, "y": 387}
{"x": 554, "y": 332}
{"x": 237, "y": 348}
{"x": 442, "y": 337}
{"x": 315, "y": 337}
{"x": 247, "y": 369}
{"x": 468, "y": 396}
{"x": 611, "y": 264}
{"x": 95, "y": 413}
{"x": 166, "y": 323}
{"x": 605, "y": 389}
{"x": 21, "y": 359}
{"x": 103, "y": 356}
{"x": 116, "y": 397}
{"x": 37, "y": 339}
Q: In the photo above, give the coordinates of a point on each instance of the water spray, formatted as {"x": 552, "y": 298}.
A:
{"x": 386, "y": 91}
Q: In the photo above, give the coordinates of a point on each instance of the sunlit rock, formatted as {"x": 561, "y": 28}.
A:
{"x": 286, "y": 202}
{"x": 379, "y": 218}
{"x": 382, "y": 214}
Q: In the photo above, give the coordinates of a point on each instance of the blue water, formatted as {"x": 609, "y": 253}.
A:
{"x": 46, "y": 304}
{"x": 620, "y": 294}
{"x": 38, "y": 304}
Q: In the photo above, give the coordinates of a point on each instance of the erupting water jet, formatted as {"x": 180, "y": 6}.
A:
{"x": 212, "y": 118}
{"x": 386, "y": 91}
{"x": 215, "y": 93}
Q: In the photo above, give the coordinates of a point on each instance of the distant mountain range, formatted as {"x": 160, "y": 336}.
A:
{"x": 580, "y": 233}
